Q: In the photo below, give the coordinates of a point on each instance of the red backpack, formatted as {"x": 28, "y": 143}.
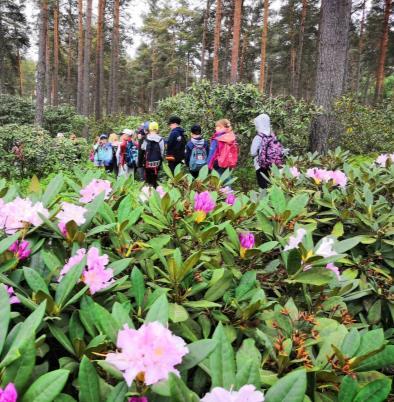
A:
{"x": 227, "y": 154}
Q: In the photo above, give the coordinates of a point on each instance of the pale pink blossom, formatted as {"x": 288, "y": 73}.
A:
{"x": 13, "y": 298}
{"x": 161, "y": 191}
{"x": 247, "y": 393}
{"x": 339, "y": 178}
{"x": 145, "y": 194}
{"x": 94, "y": 188}
{"x": 296, "y": 239}
{"x": 71, "y": 212}
{"x": 334, "y": 269}
{"x": 383, "y": 158}
{"x": 152, "y": 352}
{"x": 226, "y": 191}
{"x": 325, "y": 248}
{"x": 9, "y": 393}
{"x": 98, "y": 278}
{"x": 294, "y": 171}
{"x": 21, "y": 249}
{"x": 72, "y": 262}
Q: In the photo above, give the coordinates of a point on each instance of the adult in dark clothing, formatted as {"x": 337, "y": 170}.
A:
{"x": 201, "y": 147}
{"x": 176, "y": 143}
{"x": 141, "y": 135}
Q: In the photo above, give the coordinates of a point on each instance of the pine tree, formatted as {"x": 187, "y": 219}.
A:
{"x": 86, "y": 60}
{"x": 99, "y": 83}
{"x": 80, "y": 85}
{"x": 264, "y": 47}
{"x": 216, "y": 47}
{"x": 55, "y": 74}
{"x": 236, "y": 40}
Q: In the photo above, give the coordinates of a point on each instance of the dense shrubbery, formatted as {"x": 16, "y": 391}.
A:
{"x": 302, "y": 310}
{"x": 26, "y": 150}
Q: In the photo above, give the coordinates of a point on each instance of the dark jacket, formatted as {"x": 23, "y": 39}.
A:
{"x": 198, "y": 141}
{"x": 176, "y": 143}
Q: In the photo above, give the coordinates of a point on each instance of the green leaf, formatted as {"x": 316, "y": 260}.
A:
{"x": 7, "y": 242}
{"x": 121, "y": 314}
{"x": 5, "y": 311}
{"x": 375, "y": 312}
{"x": 201, "y": 304}
{"x": 158, "y": 311}
{"x": 52, "y": 189}
{"x": 293, "y": 262}
{"x": 351, "y": 343}
{"x": 89, "y": 390}
{"x": 198, "y": 351}
{"x": 138, "y": 286}
{"x": 290, "y": 388}
{"x": 338, "y": 230}
{"x": 47, "y": 387}
{"x": 266, "y": 247}
{"x": 177, "y": 313}
{"x": 61, "y": 337}
{"x": 222, "y": 361}
{"x": 118, "y": 393}
{"x": 315, "y": 276}
{"x": 248, "y": 373}
{"x": 375, "y": 391}
{"x": 347, "y": 244}
{"x": 120, "y": 265}
{"x": 93, "y": 207}
{"x": 64, "y": 398}
{"x": 216, "y": 291}
{"x": 104, "y": 321}
{"x": 370, "y": 341}
{"x": 278, "y": 200}
{"x": 382, "y": 359}
{"x": 348, "y": 389}
{"x": 179, "y": 391}
{"x": 35, "y": 281}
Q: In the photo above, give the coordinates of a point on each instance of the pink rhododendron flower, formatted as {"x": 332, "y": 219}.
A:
{"x": 145, "y": 193}
{"x": 383, "y": 158}
{"x": 324, "y": 176}
{"x": 294, "y": 171}
{"x": 246, "y": 240}
{"x": 13, "y": 298}
{"x": 21, "y": 249}
{"x": 325, "y": 249}
{"x": 9, "y": 393}
{"x": 226, "y": 190}
{"x": 339, "y": 178}
{"x": 334, "y": 269}
{"x": 295, "y": 240}
{"x": 247, "y": 393}
{"x": 138, "y": 399}
{"x": 94, "y": 188}
{"x": 204, "y": 202}
{"x": 20, "y": 212}
{"x": 98, "y": 278}
{"x": 151, "y": 352}
{"x": 71, "y": 212}
{"x": 162, "y": 193}
{"x": 230, "y": 200}
{"x": 74, "y": 260}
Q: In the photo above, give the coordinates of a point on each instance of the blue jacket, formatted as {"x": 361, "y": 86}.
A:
{"x": 176, "y": 143}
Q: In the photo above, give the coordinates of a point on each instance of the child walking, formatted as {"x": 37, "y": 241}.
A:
{"x": 197, "y": 150}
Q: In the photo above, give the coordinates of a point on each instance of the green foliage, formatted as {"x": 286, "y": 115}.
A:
{"x": 16, "y": 110}
{"x": 63, "y": 119}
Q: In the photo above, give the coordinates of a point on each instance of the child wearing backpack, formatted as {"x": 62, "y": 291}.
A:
{"x": 154, "y": 153}
{"x": 266, "y": 150}
{"x": 176, "y": 143}
{"x": 103, "y": 153}
{"x": 197, "y": 150}
{"x": 223, "y": 150}
{"x": 128, "y": 153}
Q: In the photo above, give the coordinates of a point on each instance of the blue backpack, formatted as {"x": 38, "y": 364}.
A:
{"x": 131, "y": 155}
{"x": 198, "y": 158}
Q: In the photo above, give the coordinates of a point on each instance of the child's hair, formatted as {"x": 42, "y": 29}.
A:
{"x": 113, "y": 137}
{"x": 224, "y": 123}
{"x": 196, "y": 129}
{"x": 153, "y": 126}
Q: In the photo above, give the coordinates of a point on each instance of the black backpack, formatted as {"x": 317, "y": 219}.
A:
{"x": 153, "y": 156}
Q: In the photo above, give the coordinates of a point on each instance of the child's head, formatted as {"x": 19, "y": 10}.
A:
{"x": 103, "y": 138}
{"x": 174, "y": 121}
{"x": 153, "y": 126}
{"x": 223, "y": 125}
{"x": 196, "y": 130}
{"x": 113, "y": 138}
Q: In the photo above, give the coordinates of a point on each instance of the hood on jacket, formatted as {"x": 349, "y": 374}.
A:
{"x": 154, "y": 137}
{"x": 227, "y": 137}
{"x": 178, "y": 131}
{"x": 263, "y": 124}
{"x": 198, "y": 141}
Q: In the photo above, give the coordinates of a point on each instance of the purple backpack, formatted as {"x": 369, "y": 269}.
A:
{"x": 271, "y": 151}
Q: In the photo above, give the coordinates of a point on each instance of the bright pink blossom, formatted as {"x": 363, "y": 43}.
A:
{"x": 294, "y": 171}
{"x": 94, "y": 188}
{"x": 9, "y": 393}
{"x": 204, "y": 202}
{"x": 152, "y": 351}
{"x": 13, "y": 298}
{"x": 295, "y": 240}
{"x": 334, "y": 269}
{"x": 230, "y": 200}
{"x": 138, "y": 399}
{"x": 247, "y": 393}
{"x": 246, "y": 240}
{"x": 21, "y": 249}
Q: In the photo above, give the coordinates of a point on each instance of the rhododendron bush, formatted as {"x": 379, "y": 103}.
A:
{"x": 112, "y": 291}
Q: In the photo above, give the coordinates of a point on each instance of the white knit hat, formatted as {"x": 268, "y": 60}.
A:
{"x": 127, "y": 131}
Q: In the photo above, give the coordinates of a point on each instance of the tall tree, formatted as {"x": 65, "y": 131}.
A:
{"x": 383, "y": 51}
{"x": 216, "y": 46}
{"x": 236, "y": 40}
{"x": 292, "y": 47}
{"x": 69, "y": 52}
{"x": 55, "y": 74}
{"x": 264, "y": 47}
{"x": 20, "y": 73}
{"x": 300, "y": 48}
{"x": 86, "y": 60}
{"x": 331, "y": 68}
{"x": 40, "y": 85}
{"x": 80, "y": 86}
{"x": 48, "y": 63}
{"x": 114, "y": 85}
{"x": 99, "y": 84}
{"x": 204, "y": 38}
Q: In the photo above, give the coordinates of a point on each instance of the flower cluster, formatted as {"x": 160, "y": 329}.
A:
{"x": 382, "y": 159}
{"x": 247, "y": 393}
{"x": 229, "y": 194}
{"x": 8, "y": 394}
{"x": 295, "y": 240}
{"x": 246, "y": 241}
{"x": 203, "y": 204}
{"x": 13, "y": 298}
{"x": 149, "y": 353}
{"x": 19, "y": 213}
{"x": 96, "y": 276}
{"x": 324, "y": 176}
{"x": 21, "y": 249}
{"x": 70, "y": 212}
{"x": 146, "y": 192}
{"x": 93, "y": 189}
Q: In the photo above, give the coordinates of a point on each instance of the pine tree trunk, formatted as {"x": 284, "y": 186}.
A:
{"x": 55, "y": 76}
{"x": 86, "y": 60}
{"x": 297, "y": 91}
{"x": 216, "y": 45}
{"x": 264, "y": 47}
{"x": 80, "y": 57}
{"x": 99, "y": 84}
{"x": 115, "y": 60}
{"x": 245, "y": 42}
{"x": 152, "y": 83}
{"x": 236, "y": 40}
{"x": 383, "y": 51}
{"x": 226, "y": 52}
{"x": 20, "y": 72}
{"x": 292, "y": 48}
{"x": 360, "y": 49}
{"x": 204, "y": 39}
{"x": 40, "y": 83}
{"x": 69, "y": 54}
{"x": 48, "y": 68}
{"x": 331, "y": 68}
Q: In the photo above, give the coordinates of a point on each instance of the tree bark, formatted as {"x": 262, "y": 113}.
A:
{"x": 69, "y": 54}
{"x": 245, "y": 41}
{"x": 331, "y": 68}
{"x": 264, "y": 47}
{"x": 115, "y": 60}
{"x": 40, "y": 83}
{"x": 153, "y": 77}
{"x": 20, "y": 72}
{"x": 48, "y": 69}
{"x": 300, "y": 48}
{"x": 80, "y": 57}
{"x": 204, "y": 39}
{"x": 292, "y": 48}
{"x": 216, "y": 45}
{"x": 99, "y": 89}
{"x": 55, "y": 75}
{"x": 86, "y": 60}
{"x": 383, "y": 51}
{"x": 236, "y": 40}
{"x": 360, "y": 49}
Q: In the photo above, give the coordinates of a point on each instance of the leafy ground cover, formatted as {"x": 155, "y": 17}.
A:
{"x": 113, "y": 292}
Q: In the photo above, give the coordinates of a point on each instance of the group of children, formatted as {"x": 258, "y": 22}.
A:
{"x": 143, "y": 151}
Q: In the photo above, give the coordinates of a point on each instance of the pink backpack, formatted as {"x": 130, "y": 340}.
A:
{"x": 271, "y": 151}
{"x": 227, "y": 154}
